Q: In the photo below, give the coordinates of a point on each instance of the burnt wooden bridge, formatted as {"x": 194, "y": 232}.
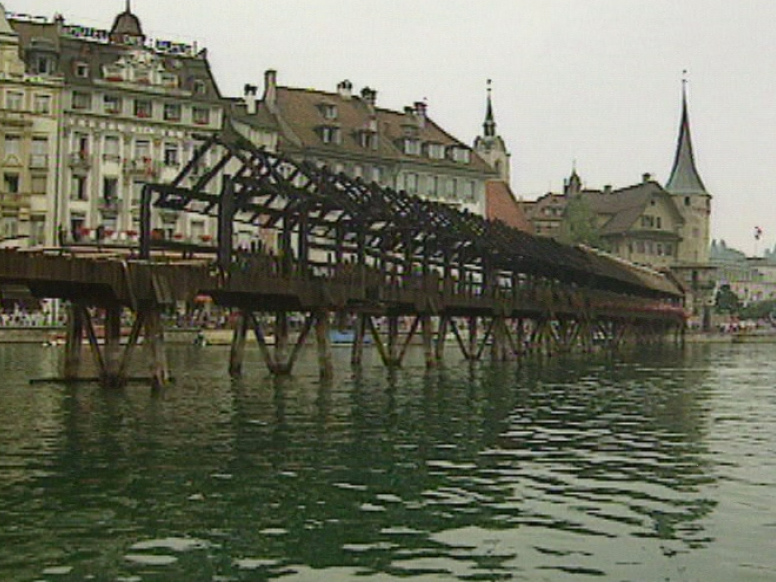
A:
{"x": 337, "y": 250}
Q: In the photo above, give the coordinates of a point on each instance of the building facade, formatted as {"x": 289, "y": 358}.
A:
{"x": 29, "y": 122}
{"x": 130, "y": 111}
{"x": 349, "y": 133}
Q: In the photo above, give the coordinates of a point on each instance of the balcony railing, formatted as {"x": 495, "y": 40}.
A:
{"x": 80, "y": 160}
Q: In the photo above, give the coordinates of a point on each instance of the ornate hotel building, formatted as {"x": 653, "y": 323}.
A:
{"x": 105, "y": 111}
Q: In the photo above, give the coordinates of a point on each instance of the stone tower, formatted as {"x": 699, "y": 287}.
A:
{"x": 692, "y": 199}
{"x": 490, "y": 146}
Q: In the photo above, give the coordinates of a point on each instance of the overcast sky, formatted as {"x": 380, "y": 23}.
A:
{"x": 591, "y": 82}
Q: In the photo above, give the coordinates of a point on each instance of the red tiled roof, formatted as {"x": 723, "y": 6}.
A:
{"x": 501, "y": 205}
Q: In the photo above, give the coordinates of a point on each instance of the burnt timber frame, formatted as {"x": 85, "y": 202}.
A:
{"x": 375, "y": 251}
{"x": 348, "y": 248}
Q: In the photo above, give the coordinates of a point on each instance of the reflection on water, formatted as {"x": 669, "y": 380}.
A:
{"x": 656, "y": 466}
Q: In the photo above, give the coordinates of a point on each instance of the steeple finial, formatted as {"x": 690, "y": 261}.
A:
{"x": 490, "y": 124}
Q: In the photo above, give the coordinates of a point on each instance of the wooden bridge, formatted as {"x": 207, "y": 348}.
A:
{"x": 340, "y": 249}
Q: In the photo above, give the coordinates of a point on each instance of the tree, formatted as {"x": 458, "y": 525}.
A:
{"x": 726, "y": 301}
{"x": 580, "y": 224}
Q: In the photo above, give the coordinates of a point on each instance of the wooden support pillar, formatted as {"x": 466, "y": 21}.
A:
{"x": 74, "y": 337}
{"x": 473, "y": 350}
{"x": 497, "y": 346}
{"x": 428, "y": 341}
{"x": 441, "y": 337}
{"x": 323, "y": 340}
{"x": 111, "y": 374}
{"x": 357, "y": 353}
{"x": 281, "y": 337}
{"x": 154, "y": 340}
{"x": 237, "y": 353}
{"x": 393, "y": 340}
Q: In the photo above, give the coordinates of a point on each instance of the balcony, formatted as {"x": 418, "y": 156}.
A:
{"x": 12, "y": 118}
{"x": 109, "y": 206}
{"x": 80, "y": 161}
{"x": 14, "y": 200}
{"x": 142, "y": 166}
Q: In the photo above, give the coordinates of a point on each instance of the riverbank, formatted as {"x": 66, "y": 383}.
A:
{"x": 219, "y": 337}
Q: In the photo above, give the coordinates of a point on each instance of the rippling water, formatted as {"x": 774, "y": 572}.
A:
{"x": 656, "y": 466}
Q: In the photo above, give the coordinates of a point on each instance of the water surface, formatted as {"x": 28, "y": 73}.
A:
{"x": 650, "y": 466}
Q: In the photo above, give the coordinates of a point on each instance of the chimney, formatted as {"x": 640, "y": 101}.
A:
{"x": 249, "y": 93}
{"x": 345, "y": 89}
{"x": 271, "y": 90}
{"x": 420, "y": 112}
{"x": 369, "y": 96}
{"x": 608, "y": 189}
{"x": 646, "y": 177}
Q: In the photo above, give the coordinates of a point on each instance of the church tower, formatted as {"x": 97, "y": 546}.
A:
{"x": 490, "y": 146}
{"x": 692, "y": 199}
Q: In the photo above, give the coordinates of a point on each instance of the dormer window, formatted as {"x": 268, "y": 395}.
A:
{"x": 368, "y": 140}
{"x": 330, "y": 134}
{"x": 329, "y": 111}
{"x": 436, "y": 151}
{"x": 460, "y": 154}
{"x": 199, "y": 87}
{"x": 411, "y": 146}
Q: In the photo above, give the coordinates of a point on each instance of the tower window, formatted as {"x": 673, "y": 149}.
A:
{"x": 686, "y": 200}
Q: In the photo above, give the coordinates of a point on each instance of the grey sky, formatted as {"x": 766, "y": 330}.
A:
{"x": 592, "y": 81}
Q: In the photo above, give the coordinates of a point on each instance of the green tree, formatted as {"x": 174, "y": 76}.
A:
{"x": 579, "y": 224}
{"x": 726, "y": 301}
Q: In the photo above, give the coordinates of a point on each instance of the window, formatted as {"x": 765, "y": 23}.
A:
{"x": 38, "y": 184}
{"x": 451, "y": 188}
{"x": 200, "y": 87}
{"x": 412, "y": 146}
{"x": 468, "y": 191}
{"x": 169, "y": 80}
{"x": 111, "y": 147}
{"x": 39, "y": 154}
{"x": 37, "y": 231}
{"x": 329, "y": 111}
{"x": 377, "y": 175}
{"x": 81, "y": 144}
{"x": 111, "y": 104}
{"x": 436, "y": 151}
{"x": 42, "y": 65}
{"x": 686, "y": 200}
{"x": 171, "y": 157}
{"x": 200, "y": 115}
{"x": 78, "y": 189}
{"x": 433, "y": 186}
{"x": 460, "y": 155}
{"x": 330, "y": 134}
{"x": 12, "y": 145}
{"x": 368, "y": 140}
{"x": 82, "y": 70}
{"x": 82, "y": 100}
{"x": 658, "y": 222}
{"x": 172, "y": 112}
{"x": 411, "y": 183}
{"x": 11, "y": 183}
{"x": 110, "y": 191}
{"x": 143, "y": 108}
{"x": 358, "y": 171}
{"x": 137, "y": 191}
{"x": 14, "y": 100}
{"x": 10, "y": 227}
{"x": 42, "y": 104}
{"x": 142, "y": 149}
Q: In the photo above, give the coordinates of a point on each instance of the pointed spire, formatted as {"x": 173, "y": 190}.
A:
{"x": 684, "y": 177}
{"x": 490, "y": 124}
